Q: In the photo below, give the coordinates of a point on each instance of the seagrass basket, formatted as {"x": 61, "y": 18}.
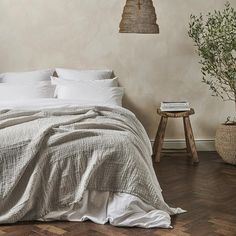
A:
{"x": 226, "y": 143}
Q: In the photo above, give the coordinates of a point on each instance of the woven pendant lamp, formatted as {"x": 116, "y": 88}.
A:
{"x": 139, "y": 17}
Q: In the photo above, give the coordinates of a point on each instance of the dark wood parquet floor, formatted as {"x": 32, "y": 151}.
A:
{"x": 207, "y": 191}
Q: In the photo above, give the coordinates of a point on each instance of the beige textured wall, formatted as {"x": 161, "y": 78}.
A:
{"x": 84, "y": 34}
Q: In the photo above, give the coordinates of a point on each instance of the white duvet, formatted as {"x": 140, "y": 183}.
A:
{"x": 42, "y": 103}
{"x": 119, "y": 209}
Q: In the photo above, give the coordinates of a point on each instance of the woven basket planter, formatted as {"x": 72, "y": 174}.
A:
{"x": 226, "y": 143}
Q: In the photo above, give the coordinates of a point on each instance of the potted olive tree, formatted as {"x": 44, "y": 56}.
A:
{"x": 215, "y": 39}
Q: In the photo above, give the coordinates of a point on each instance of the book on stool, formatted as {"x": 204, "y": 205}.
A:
{"x": 175, "y": 106}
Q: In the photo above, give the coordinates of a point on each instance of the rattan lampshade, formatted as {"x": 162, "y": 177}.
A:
{"x": 139, "y": 16}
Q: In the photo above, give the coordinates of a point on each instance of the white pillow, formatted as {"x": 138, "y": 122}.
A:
{"x": 93, "y": 95}
{"x": 108, "y": 83}
{"x": 41, "y": 89}
{"x": 105, "y": 83}
{"x": 26, "y": 77}
{"x": 83, "y": 74}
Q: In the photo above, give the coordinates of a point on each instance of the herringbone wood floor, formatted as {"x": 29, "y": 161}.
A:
{"x": 207, "y": 191}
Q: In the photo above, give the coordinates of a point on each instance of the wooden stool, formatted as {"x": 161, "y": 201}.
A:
{"x": 189, "y": 138}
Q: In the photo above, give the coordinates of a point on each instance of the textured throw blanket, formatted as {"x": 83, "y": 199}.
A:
{"x": 48, "y": 159}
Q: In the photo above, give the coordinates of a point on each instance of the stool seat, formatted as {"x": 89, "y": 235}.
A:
{"x": 189, "y": 138}
{"x": 175, "y": 114}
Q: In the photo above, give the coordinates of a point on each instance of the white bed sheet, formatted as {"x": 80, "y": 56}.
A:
{"x": 43, "y": 103}
{"x": 119, "y": 209}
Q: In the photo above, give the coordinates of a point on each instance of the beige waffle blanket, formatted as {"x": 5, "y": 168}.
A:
{"x": 48, "y": 158}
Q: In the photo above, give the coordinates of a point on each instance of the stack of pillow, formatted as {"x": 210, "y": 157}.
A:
{"x": 89, "y": 87}
{"x": 26, "y": 85}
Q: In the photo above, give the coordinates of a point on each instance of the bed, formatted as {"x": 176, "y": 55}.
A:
{"x": 64, "y": 159}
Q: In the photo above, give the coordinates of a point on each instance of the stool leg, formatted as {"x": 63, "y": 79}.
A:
{"x": 159, "y": 139}
{"x": 186, "y": 139}
{"x": 190, "y": 138}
